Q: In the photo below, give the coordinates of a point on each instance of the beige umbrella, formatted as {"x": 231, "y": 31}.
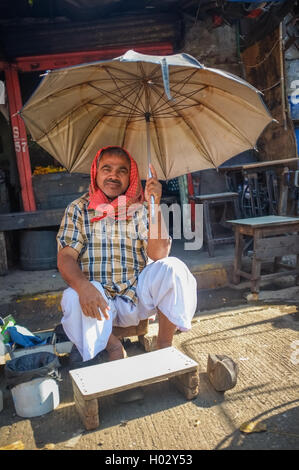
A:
{"x": 173, "y": 110}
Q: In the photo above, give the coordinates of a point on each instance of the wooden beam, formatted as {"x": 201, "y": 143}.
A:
{"x": 34, "y": 219}
{"x": 60, "y": 60}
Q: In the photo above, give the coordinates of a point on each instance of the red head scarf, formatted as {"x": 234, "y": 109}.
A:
{"x": 117, "y": 208}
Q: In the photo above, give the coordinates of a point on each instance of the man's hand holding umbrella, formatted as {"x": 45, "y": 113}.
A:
{"x": 159, "y": 243}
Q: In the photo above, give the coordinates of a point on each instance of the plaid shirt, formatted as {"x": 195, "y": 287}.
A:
{"x": 110, "y": 251}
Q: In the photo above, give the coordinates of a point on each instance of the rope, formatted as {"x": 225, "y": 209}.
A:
{"x": 265, "y": 58}
{"x": 270, "y": 87}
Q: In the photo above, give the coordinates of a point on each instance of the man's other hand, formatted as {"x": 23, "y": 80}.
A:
{"x": 92, "y": 302}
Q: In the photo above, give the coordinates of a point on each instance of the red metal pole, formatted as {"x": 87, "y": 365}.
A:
{"x": 191, "y": 193}
{"x": 19, "y": 137}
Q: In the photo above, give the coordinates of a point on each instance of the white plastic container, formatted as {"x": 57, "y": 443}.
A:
{"x": 36, "y": 397}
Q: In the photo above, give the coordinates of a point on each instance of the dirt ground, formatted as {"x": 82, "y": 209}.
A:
{"x": 261, "y": 338}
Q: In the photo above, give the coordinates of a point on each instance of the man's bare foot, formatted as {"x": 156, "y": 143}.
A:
{"x": 115, "y": 349}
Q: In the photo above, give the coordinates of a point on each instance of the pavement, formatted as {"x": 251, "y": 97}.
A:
{"x": 261, "y": 336}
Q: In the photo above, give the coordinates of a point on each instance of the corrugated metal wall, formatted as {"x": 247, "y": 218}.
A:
{"x": 51, "y": 38}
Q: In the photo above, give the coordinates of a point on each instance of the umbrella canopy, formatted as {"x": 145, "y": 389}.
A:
{"x": 191, "y": 117}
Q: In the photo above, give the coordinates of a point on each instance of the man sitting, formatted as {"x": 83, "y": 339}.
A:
{"x": 105, "y": 241}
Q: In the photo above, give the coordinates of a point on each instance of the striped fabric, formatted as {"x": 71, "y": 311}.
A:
{"x": 110, "y": 252}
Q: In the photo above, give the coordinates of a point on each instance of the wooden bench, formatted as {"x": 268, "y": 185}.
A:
{"x": 93, "y": 382}
{"x": 25, "y": 220}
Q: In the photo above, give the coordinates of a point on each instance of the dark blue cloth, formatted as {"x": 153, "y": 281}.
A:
{"x": 22, "y": 339}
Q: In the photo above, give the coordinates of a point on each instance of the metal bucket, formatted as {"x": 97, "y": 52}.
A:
{"x": 38, "y": 249}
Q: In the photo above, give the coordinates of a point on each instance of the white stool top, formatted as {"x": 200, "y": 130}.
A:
{"x": 111, "y": 377}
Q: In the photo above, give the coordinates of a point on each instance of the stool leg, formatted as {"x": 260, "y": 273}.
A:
{"x": 88, "y": 410}
{"x": 256, "y": 267}
{"x": 237, "y": 208}
{"x": 208, "y": 228}
{"x": 238, "y": 255}
{"x": 188, "y": 384}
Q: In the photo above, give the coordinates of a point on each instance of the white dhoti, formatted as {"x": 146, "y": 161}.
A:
{"x": 166, "y": 284}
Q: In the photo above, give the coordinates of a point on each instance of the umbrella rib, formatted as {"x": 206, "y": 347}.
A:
{"x": 94, "y": 126}
{"x": 44, "y": 134}
{"x": 116, "y": 84}
{"x": 111, "y": 95}
{"x": 226, "y": 120}
{"x": 232, "y": 96}
{"x": 175, "y": 93}
{"x": 108, "y": 105}
{"x": 177, "y": 103}
{"x": 57, "y": 123}
{"x": 182, "y": 70}
{"x": 129, "y": 117}
{"x": 159, "y": 145}
{"x": 203, "y": 147}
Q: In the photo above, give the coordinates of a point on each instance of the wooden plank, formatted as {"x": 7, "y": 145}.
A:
{"x": 257, "y": 165}
{"x": 267, "y": 277}
{"x": 21, "y": 220}
{"x": 265, "y": 221}
{"x": 272, "y": 230}
{"x": 244, "y": 274}
{"x": 108, "y": 378}
{"x": 277, "y": 246}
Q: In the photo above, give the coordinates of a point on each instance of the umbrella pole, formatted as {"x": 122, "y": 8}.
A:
{"x": 148, "y": 145}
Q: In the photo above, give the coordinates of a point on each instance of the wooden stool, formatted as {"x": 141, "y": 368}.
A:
{"x": 93, "y": 382}
{"x": 209, "y": 200}
{"x": 266, "y": 244}
{"x": 140, "y": 330}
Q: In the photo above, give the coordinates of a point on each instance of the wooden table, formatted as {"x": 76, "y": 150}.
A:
{"x": 250, "y": 171}
{"x": 273, "y": 237}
